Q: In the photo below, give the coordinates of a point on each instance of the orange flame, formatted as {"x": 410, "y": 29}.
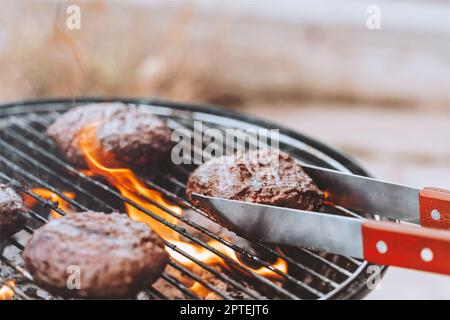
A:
{"x": 30, "y": 202}
{"x": 7, "y": 290}
{"x": 199, "y": 289}
{"x": 209, "y": 257}
{"x": 132, "y": 188}
{"x": 129, "y": 187}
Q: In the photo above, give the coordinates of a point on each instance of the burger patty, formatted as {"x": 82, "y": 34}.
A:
{"x": 256, "y": 177}
{"x": 112, "y": 256}
{"x": 12, "y": 212}
{"x": 132, "y": 135}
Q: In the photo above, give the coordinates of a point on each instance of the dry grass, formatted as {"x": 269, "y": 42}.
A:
{"x": 177, "y": 50}
{"x": 123, "y": 50}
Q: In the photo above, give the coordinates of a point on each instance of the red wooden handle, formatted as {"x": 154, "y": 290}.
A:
{"x": 434, "y": 208}
{"x": 407, "y": 246}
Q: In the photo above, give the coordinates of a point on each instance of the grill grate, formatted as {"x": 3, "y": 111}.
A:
{"x": 28, "y": 159}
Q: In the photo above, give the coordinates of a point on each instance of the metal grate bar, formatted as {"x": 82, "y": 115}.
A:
{"x": 24, "y": 273}
{"x": 43, "y": 201}
{"x": 232, "y": 246}
{"x": 254, "y": 143}
{"x": 327, "y": 262}
{"x": 47, "y": 170}
{"x": 48, "y": 204}
{"x": 51, "y": 205}
{"x": 30, "y": 230}
{"x": 179, "y": 286}
{"x": 42, "y": 183}
{"x": 16, "y": 243}
{"x": 323, "y": 278}
{"x": 245, "y": 252}
{"x": 185, "y": 271}
{"x": 176, "y": 228}
{"x": 38, "y": 143}
{"x": 182, "y": 201}
{"x": 298, "y": 283}
{"x": 152, "y": 295}
{"x": 151, "y": 291}
{"x": 222, "y": 277}
{"x": 156, "y": 294}
{"x": 219, "y": 275}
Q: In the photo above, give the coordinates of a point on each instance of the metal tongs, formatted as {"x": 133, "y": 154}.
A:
{"x": 405, "y": 245}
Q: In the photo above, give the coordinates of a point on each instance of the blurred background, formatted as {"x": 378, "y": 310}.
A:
{"x": 380, "y": 95}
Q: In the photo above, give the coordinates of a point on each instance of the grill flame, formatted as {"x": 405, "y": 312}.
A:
{"x": 7, "y": 290}
{"x": 62, "y": 204}
{"x": 130, "y": 187}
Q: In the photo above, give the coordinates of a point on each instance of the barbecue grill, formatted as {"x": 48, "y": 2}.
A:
{"x": 29, "y": 160}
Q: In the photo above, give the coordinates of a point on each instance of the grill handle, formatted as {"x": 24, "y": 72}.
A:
{"x": 406, "y": 246}
{"x": 434, "y": 206}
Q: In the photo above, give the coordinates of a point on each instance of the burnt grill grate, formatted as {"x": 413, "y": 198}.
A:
{"x": 28, "y": 160}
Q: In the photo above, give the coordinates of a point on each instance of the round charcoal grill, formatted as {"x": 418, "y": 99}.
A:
{"x": 29, "y": 160}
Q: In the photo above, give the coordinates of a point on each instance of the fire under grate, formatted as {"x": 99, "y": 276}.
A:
{"x": 28, "y": 160}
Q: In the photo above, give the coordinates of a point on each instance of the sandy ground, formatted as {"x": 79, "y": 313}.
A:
{"x": 409, "y": 146}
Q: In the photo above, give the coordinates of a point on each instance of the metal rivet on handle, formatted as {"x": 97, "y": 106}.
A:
{"x": 435, "y": 214}
{"x": 426, "y": 254}
{"x": 382, "y": 247}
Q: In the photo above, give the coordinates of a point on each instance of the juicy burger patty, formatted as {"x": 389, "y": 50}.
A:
{"x": 132, "y": 135}
{"x": 256, "y": 177}
{"x": 12, "y": 212}
{"x": 112, "y": 256}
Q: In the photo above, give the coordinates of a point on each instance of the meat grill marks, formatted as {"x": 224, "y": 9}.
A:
{"x": 127, "y": 135}
{"x": 313, "y": 275}
{"x": 266, "y": 176}
{"x": 114, "y": 256}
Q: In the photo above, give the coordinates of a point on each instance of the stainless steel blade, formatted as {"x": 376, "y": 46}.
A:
{"x": 341, "y": 235}
{"x": 366, "y": 194}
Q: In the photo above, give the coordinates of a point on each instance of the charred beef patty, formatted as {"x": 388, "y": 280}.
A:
{"x": 12, "y": 212}
{"x": 135, "y": 137}
{"x": 255, "y": 177}
{"x": 116, "y": 256}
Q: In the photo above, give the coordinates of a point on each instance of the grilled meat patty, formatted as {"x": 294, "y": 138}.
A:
{"x": 256, "y": 177}
{"x": 116, "y": 257}
{"x": 12, "y": 212}
{"x": 129, "y": 134}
